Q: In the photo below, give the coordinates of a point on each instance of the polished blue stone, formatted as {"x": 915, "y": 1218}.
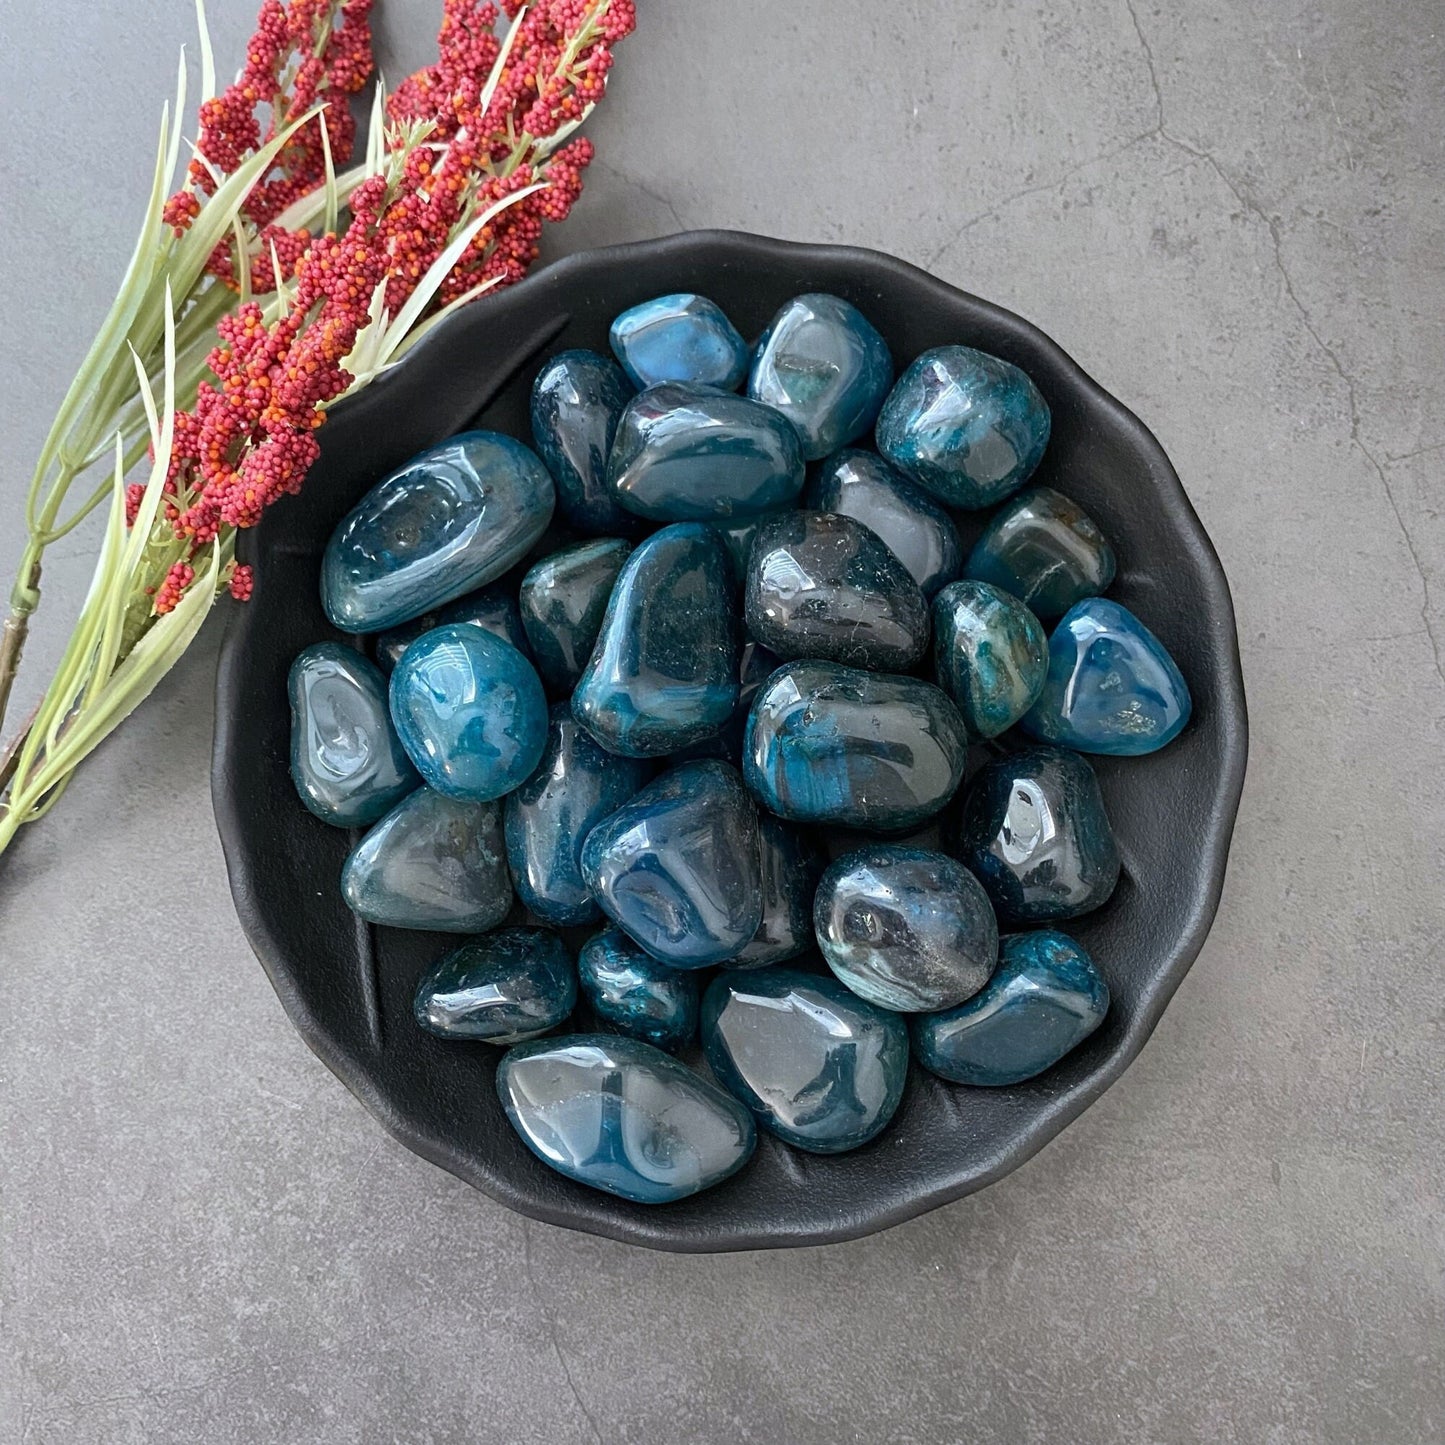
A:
{"x": 823, "y": 586}
{"x": 433, "y": 862}
{"x": 967, "y": 427}
{"x": 664, "y": 671}
{"x": 575, "y": 786}
{"x": 819, "y": 1067}
{"x": 677, "y": 868}
{"x": 906, "y": 928}
{"x": 563, "y": 599}
{"x": 1046, "y": 997}
{"x": 1112, "y": 687}
{"x": 504, "y": 987}
{"x": 470, "y": 711}
{"x": 790, "y": 866}
{"x": 918, "y": 531}
{"x": 493, "y": 609}
{"x": 831, "y": 744}
{"x": 1045, "y": 550}
{"x": 632, "y": 992}
{"x": 690, "y": 453}
{"x": 679, "y": 338}
{"x": 453, "y": 518}
{"x": 622, "y": 1116}
{"x": 1033, "y": 830}
{"x": 824, "y": 366}
{"x": 989, "y": 655}
{"x": 346, "y": 761}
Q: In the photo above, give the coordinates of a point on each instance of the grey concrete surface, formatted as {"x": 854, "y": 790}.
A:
{"x": 1231, "y": 213}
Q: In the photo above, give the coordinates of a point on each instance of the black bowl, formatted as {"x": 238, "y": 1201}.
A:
{"x": 348, "y": 986}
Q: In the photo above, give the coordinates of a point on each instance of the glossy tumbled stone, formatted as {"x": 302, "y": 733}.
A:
{"x": 504, "y": 987}
{"x": 1111, "y": 687}
{"x": 664, "y": 671}
{"x": 1046, "y": 997}
{"x": 576, "y": 785}
{"x": 346, "y": 761}
{"x": 1045, "y": 550}
{"x": 790, "y": 866}
{"x": 916, "y": 529}
{"x": 677, "y": 868}
{"x": 682, "y": 337}
{"x": 822, "y": 585}
{"x": 989, "y": 655}
{"x": 689, "y": 453}
{"x": 470, "y": 711}
{"x": 967, "y": 427}
{"x": 433, "y": 862}
{"x": 1033, "y": 830}
{"x": 493, "y": 609}
{"x": 622, "y": 1116}
{"x": 906, "y": 928}
{"x": 631, "y": 991}
{"x": 819, "y": 1067}
{"x": 831, "y": 744}
{"x": 453, "y": 518}
{"x": 563, "y": 599}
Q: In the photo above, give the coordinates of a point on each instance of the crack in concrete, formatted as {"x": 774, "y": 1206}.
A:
{"x": 552, "y": 1331}
{"x": 646, "y": 190}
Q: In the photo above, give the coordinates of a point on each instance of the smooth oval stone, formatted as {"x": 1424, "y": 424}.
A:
{"x": 548, "y": 818}
{"x": 493, "y": 609}
{"x": 679, "y": 338}
{"x": 915, "y": 528}
{"x": 637, "y": 995}
{"x": 470, "y": 711}
{"x": 624, "y": 1117}
{"x": 967, "y": 427}
{"x": 790, "y": 867}
{"x": 830, "y": 744}
{"x": 990, "y": 655}
{"x": 677, "y": 868}
{"x": 454, "y": 517}
{"x": 563, "y": 599}
{"x": 1111, "y": 687}
{"x": 1045, "y": 550}
{"x": 433, "y": 862}
{"x": 1045, "y": 998}
{"x": 346, "y": 761}
{"x": 822, "y": 585}
{"x": 688, "y": 453}
{"x": 906, "y": 928}
{"x": 819, "y": 1067}
{"x": 664, "y": 671}
{"x": 822, "y": 363}
{"x": 507, "y": 986}
{"x": 1033, "y": 830}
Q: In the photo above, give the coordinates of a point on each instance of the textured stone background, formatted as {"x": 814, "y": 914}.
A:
{"x": 1231, "y": 214}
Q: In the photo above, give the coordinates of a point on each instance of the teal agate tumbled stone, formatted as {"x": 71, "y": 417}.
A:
{"x": 504, "y": 987}
{"x": 453, "y": 518}
{"x": 990, "y": 655}
{"x": 621, "y": 1116}
{"x": 493, "y": 609}
{"x": 1045, "y": 998}
{"x": 968, "y": 427}
{"x": 789, "y": 867}
{"x": 632, "y": 992}
{"x": 679, "y": 338}
{"x": 563, "y": 599}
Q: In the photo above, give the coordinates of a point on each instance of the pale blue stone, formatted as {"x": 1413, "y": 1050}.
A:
{"x": 679, "y": 338}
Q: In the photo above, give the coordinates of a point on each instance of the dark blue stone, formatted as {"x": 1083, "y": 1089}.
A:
{"x": 822, "y": 363}
{"x": 563, "y": 599}
{"x": 968, "y": 427}
{"x": 821, "y": 585}
{"x": 470, "y": 711}
{"x": 677, "y": 868}
{"x": 688, "y": 453}
{"x": 504, "y": 987}
{"x": 1034, "y": 832}
{"x": 830, "y": 744}
{"x": 346, "y": 761}
{"x": 790, "y": 867}
{"x": 453, "y": 518}
{"x": 1111, "y": 686}
{"x": 548, "y": 818}
{"x": 990, "y": 655}
{"x": 819, "y": 1067}
{"x": 635, "y": 994}
{"x": 679, "y": 338}
{"x": 1046, "y": 997}
{"x": 493, "y": 609}
{"x": 906, "y": 928}
{"x": 664, "y": 671}
{"x": 621, "y": 1116}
